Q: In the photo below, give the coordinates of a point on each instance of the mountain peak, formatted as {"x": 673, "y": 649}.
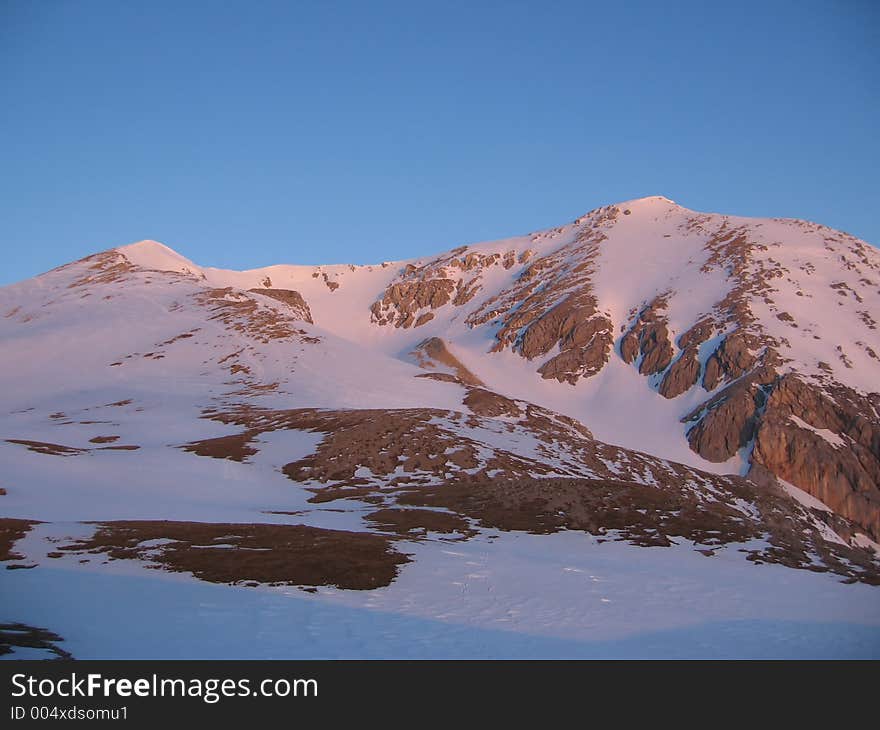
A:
{"x": 649, "y": 202}
{"x": 151, "y": 254}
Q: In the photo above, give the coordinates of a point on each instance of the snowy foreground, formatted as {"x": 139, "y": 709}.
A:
{"x": 502, "y": 595}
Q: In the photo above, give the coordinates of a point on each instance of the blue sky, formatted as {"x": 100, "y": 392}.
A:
{"x": 249, "y": 133}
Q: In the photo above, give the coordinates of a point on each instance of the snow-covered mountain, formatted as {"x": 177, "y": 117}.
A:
{"x": 646, "y": 377}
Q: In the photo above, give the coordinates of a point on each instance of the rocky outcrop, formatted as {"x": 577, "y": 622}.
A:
{"x": 649, "y": 337}
{"x": 826, "y": 443}
{"x": 291, "y": 298}
{"x": 685, "y": 371}
{"x": 552, "y": 305}
{"x": 241, "y": 311}
{"x": 581, "y": 362}
{"x": 402, "y": 301}
{"x": 733, "y": 358}
{"x": 584, "y": 338}
{"x": 823, "y": 439}
{"x": 682, "y": 375}
{"x": 455, "y": 277}
{"x": 729, "y": 421}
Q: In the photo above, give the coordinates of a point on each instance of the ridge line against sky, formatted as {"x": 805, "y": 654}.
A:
{"x": 246, "y": 135}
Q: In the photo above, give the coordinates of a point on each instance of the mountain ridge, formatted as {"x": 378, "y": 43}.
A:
{"x": 554, "y": 408}
{"x": 695, "y": 341}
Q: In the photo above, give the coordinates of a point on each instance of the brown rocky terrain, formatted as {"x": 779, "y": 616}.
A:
{"x": 291, "y": 298}
{"x": 551, "y": 307}
{"x": 250, "y": 553}
{"x": 649, "y": 337}
{"x": 652, "y": 515}
{"x": 840, "y": 467}
{"x": 420, "y": 458}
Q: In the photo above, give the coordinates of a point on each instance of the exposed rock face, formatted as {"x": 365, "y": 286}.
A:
{"x": 683, "y": 374}
{"x": 696, "y": 335}
{"x": 291, "y": 298}
{"x": 402, "y": 301}
{"x": 685, "y": 371}
{"x": 454, "y": 278}
{"x": 582, "y": 334}
{"x": 730, "y": 420}
{"x": 552, "y": 305}
{"x": 733, "y": 358}
{"x": 813, "y": 432}
{"x": 576, "y": 361}
{"x": 828, "y": 444}
{"x": 551, "y": 314}
{"x": 650, "y": 338}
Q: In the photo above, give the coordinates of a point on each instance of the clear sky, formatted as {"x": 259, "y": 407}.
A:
{"x": 249, "y": 133}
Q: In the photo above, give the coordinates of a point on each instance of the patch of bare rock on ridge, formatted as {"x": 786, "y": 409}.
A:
{"x": 433, "y": 353}
{"x": 241, "y": 312}
{"x": 420, "y": 458}
{"x": 454, "y": 278}
{"x": 250, "y": 553}
{"x": 649, "y": 337}
{"x": 291, "y": 298}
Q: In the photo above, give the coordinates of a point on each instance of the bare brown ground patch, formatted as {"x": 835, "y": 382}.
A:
{"x": 644, "y": 500}
{"x": 31, "y": 637}
{"x": 11, "y": 531}
{"x": 641, "y": 514}
{"x": 421, "y": 442}
{"x": 261, "y": 553}
{"x": 44, "y": 447}
{"x": 235, "y": 446}
{"x": 655, "y": 515}
{"x": 103, "y": 439}
{"x": 486, "y": 403}
{"x": 413, "y": 522}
